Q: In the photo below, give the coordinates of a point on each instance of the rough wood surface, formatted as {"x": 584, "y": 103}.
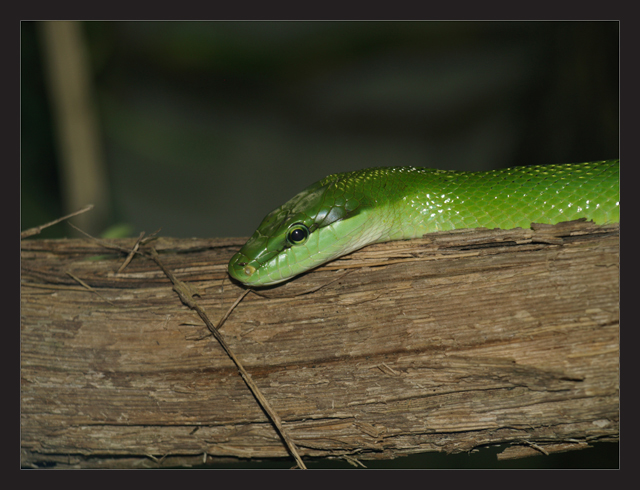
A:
{"x": 446, "y": 343}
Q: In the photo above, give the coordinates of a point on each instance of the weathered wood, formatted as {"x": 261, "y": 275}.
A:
{"x": 446, "y": 343}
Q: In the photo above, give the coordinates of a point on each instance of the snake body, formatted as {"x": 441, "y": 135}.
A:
{"x": 346, "y": 211}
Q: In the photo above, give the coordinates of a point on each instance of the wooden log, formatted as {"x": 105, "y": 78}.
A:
{"x": 446, "y": 343}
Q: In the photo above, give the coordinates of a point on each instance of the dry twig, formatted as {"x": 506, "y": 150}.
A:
{"x": 38, "y": 229}
{"x": 186, "y": 296}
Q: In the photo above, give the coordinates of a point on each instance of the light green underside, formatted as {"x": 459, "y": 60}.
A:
{"x": 350, "y": 210}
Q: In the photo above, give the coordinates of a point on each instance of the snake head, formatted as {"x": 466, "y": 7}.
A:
{"x": 317, "y": 225}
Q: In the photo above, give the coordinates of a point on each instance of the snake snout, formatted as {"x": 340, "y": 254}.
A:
{"x": 239, "y": 267}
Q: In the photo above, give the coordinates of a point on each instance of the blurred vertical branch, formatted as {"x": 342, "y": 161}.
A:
{"x": 83, "y": 172}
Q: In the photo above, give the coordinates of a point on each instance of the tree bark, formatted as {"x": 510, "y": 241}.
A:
{"x": 446, "y": 343}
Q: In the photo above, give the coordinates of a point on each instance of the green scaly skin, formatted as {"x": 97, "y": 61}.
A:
{"x": 344, "y": 212}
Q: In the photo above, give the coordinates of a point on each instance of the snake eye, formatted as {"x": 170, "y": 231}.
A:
{"x": 297, "y": 234}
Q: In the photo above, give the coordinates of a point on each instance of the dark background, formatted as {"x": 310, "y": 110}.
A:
{"x": 207, "y": 126}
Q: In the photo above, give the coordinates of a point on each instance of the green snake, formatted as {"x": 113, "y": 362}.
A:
{"x": 346, "y": 211}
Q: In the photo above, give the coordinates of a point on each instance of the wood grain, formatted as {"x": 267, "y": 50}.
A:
{"x": 446, "y": 343}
